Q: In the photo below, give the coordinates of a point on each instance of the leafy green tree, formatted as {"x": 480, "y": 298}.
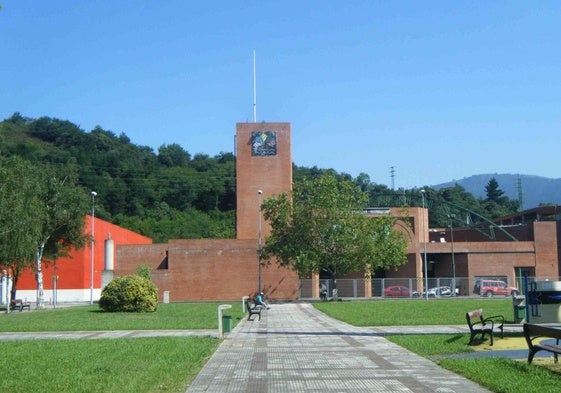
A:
{"x": 144, "y": 271}
{"x": 442, "y": 204}
{"x": 19, "y": 218}
{"x": 41, "y": 216}
{"x": 180, "y": 187}
{"x": 173, "y": 155}
{"x": 61, "y": 211}
{"x": 363, "y": 181}
{"x": 321, "y": 227}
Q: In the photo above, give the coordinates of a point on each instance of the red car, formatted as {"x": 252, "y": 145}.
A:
{"x": 399, "y": 291}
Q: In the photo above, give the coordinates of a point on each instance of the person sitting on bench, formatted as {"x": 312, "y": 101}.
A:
{"x": 260, "y": 300}
{"x": 323, "y": 292}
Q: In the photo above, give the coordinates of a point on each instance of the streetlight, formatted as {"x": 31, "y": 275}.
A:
{"x": 451, "y": 217}
{"x": 93, "y": 194}
{"x": 259, "y": 193}
{"x": 425, "y": 247}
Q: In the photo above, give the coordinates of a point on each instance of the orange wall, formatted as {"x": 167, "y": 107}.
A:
{"x": 74, "y": 271}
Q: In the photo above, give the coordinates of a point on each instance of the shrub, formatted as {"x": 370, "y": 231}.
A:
{"x": 129, "y": 294}
{"x": 144, "y": 271}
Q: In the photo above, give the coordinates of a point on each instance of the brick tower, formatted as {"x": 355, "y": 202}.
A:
{"x": 263, "y": 163}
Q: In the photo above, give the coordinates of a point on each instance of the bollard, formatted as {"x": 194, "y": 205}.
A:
{"x": 244, "y": 299}
{"x": 221, "y": 308}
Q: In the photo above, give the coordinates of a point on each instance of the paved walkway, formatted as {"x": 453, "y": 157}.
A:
{"x": 295, "y": 348}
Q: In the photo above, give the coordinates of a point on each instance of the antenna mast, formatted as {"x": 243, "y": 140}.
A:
{"x": 520, "y": 193}
{"x": 254, "y": 91}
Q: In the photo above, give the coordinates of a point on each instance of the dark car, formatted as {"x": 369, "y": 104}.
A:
{"x": 399, "y": 291}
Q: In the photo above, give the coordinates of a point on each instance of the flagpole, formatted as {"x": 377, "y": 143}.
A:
{"x": 254, "y": 91}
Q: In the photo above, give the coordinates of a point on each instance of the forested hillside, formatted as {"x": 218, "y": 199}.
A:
{"x": 168, "y": 194}
{"x": 171, "y": 194}
{"x": 534, "y": 190}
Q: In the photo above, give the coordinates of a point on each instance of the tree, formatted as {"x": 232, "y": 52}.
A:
{"x": 61, "y": 211}
{"x": 173, "y": 155}
{"x": 19, "y": 221}
{"x": 321, "y": 227}
{"x": 496, "y": 204}
{"x": 493, "y": 192}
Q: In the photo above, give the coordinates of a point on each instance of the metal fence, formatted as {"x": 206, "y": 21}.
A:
{"x": 404, "y": 287}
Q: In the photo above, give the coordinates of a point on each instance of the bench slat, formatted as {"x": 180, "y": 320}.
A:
{"x": 255, "y": 310}
{"x": 18, "y": 304}
{"x": 478, "y": 324}
{"x": 532, "y": 332}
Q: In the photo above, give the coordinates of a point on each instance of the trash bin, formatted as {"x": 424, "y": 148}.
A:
{"x": 519, "y": 308}
{"x": 226, "y": 323}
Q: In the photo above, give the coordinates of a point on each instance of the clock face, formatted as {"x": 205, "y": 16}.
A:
{"x": 264, "y": 143}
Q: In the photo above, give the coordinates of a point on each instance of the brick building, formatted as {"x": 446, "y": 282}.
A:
{"x": 530, "y": 246}
{"x": 228, "y": 269}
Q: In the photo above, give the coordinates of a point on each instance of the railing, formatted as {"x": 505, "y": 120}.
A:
{"x": 410, "y": 287}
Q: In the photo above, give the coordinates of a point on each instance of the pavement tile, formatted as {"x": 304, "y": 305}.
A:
{"x": 295, "y": 348}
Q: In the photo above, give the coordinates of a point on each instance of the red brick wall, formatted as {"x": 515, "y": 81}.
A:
{"x": 208, "y": 269}
{"x": 546, "y": 244}
{"x": 271, "y": 174}
{"x": 212, "y": 269}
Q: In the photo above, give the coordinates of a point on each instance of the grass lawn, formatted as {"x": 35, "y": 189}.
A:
{"x": 169, "y": 364}
{"x": 413, "y": 312}
{"x": 161, "y": 364}
{"x": 168, "y": 316}
{"x": 500, "y": 375}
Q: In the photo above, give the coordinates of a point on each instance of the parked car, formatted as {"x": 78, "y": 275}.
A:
{"x": 439, "y": 291}
{"x": 399, "y": 291}
{"x": 492, "y": 288}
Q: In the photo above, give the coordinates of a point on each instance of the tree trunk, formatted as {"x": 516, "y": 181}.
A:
{"x": 40, "y": 292}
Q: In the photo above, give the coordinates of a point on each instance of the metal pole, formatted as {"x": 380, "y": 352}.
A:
{"x": 254, "y": 90}
{"x": 93, "y": 194}
{"x": 425, "y": 247}
{"x": 259, "y": 193}
{"x": 451, "y": 217}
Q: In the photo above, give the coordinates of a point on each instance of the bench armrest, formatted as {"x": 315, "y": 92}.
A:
{"x": 485, "y": 323}
{"x": 495, "y": 318}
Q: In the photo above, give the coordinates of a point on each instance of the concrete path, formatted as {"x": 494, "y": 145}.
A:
{"x": 295, "y": 348}
{"x": 98, "y": 334}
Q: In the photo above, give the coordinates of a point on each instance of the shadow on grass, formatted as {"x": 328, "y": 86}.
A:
{"x": 456, "y": 338}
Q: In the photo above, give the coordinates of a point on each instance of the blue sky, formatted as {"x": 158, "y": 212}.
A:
{"x": 439, "y": 90}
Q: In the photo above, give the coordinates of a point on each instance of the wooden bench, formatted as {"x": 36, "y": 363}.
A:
{"x": 255, "y": 310}
{"x": 18, "y": 304}
{"x": 532, "y": 332}
{"x": 480, "y": 325}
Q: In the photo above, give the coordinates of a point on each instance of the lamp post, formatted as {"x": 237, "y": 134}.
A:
{"x": 451, "y": 217}
{"x": 93, "y": 195}
{"x": 259, "y": 193}
{"x": 425, "y": 247}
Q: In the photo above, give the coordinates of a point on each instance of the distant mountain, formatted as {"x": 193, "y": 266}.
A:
{"x": 536, "y": 190}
